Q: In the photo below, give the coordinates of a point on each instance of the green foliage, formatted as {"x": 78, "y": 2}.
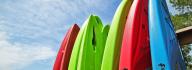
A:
{"x": 182, "y": 20}
{"x": 182, "y": 5}
{"x": 186, "y": 52}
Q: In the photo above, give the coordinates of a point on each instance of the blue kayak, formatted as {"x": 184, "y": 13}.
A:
{"x": 165, "y": 49}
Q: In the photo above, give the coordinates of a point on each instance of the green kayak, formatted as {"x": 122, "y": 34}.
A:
{"x": 89, "y": 45}
{"x": 113, "y": 44}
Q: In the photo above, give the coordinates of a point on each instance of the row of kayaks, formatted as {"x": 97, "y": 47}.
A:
{"x": 141, "y": 37}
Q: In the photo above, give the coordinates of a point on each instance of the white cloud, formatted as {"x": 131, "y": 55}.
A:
{"x": 30, "y": 30}
{"x": 47, "y": 18}
{"x": 15, "y": 56}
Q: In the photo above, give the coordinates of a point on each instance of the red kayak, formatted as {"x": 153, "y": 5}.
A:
{"x": 135, "y": 51}
{"x": 65, "y": 50}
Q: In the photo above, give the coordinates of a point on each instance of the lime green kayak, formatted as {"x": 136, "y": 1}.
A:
{"x": 89, "y": 46}
{"x": 113, "y": 44}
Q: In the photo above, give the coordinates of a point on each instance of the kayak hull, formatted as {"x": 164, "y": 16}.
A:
{"x": 65, "y": 50}
{"x": 165, "y": 49}
{"x": 113, "y": 44}
{"x": 90, "y": 46}
{"x": 135, "y": 51}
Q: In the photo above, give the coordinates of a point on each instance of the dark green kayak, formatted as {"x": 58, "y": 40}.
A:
{"x": 89, "y": 45}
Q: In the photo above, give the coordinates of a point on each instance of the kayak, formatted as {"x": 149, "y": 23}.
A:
{"x": 135, "y": 50}
{"x": 113, "y": 44}
{"x": 89, "y": 46}
{"x": 64, "y": 53}
{"x": 164, "y": 46}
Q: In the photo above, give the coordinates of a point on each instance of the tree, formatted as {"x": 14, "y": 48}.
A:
{"x": 182, "y": 5}
{"x": 186, "y": 50}
{"x": 182, "y": 20}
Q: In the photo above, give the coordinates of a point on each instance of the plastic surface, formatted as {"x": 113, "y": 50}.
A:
{"x": 114, "y": 39}
{"x": 89, "y": 46}
{"x": 135, "y": 51}
{"x": 63, "y": 56}
{"x": 165, "y": 50}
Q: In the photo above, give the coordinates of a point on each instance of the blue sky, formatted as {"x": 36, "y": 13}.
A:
{"x": 31, "y": 31}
